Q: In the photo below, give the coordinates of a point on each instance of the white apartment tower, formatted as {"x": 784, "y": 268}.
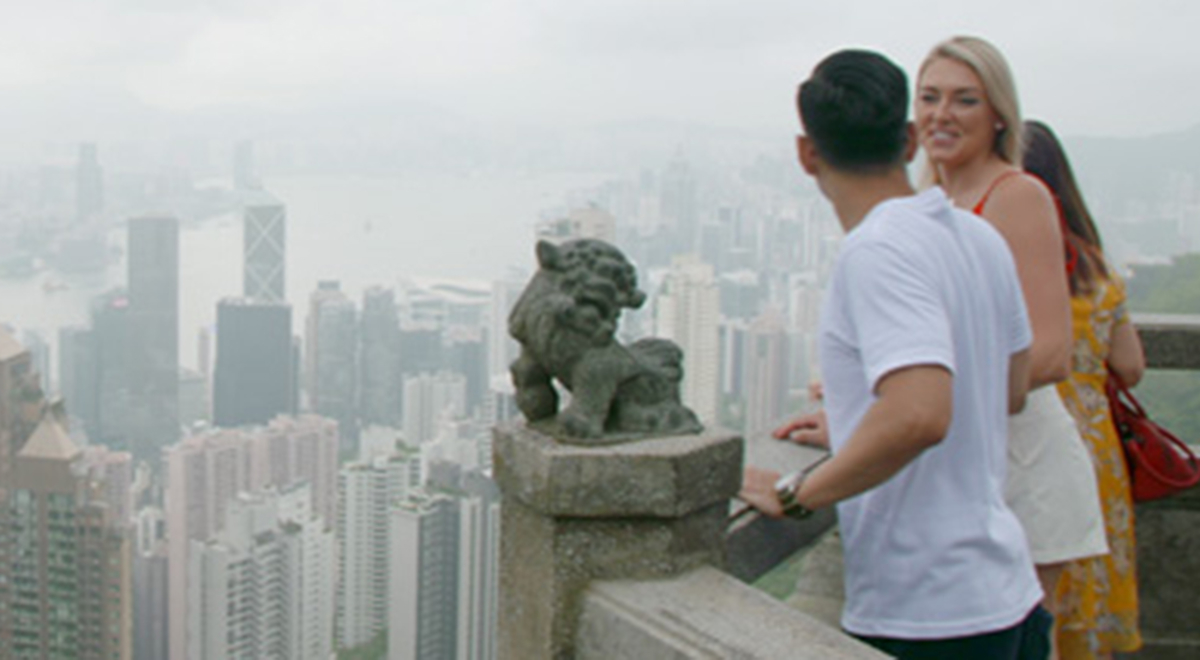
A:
{"x": 424, "y": 578}
{"x": 430, "y": 399}
{"x": 264, "y": 586}
{"x": 478, "y": 567}
{"x": 367, "y": 491}
{"x": 207, "y": 472}
{"x": 687, "y": 312}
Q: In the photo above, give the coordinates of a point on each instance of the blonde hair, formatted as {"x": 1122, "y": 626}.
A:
{"x": 989, "y": 64}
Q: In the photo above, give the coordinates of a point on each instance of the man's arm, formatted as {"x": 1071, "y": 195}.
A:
{"x": 911, "y": 414}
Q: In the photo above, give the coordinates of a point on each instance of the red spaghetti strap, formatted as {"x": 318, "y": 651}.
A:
{"x": 978, "y": 210}
{"x": 1071, "y": 253}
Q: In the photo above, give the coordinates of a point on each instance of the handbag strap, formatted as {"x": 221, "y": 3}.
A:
{"x": 1119, "y": 392}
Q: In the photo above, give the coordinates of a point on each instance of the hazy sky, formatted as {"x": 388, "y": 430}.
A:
{"x": 1090, "y": 67}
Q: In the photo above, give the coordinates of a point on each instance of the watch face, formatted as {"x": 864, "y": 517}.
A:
{"x": 789, "y": 481}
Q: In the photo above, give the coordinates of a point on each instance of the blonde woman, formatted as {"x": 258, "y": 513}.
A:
{"x": 969, "y": 126}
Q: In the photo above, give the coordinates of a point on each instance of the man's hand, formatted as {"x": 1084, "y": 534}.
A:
{"x": 811, "y": 429}
{"x": 758, "y": 490}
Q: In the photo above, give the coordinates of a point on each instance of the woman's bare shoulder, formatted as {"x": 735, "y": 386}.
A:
{"x": 1021, "y": 196}
{"x": 1022, "y": 187}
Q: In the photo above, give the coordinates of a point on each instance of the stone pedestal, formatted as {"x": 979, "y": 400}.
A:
{"x": 570, "y": 515}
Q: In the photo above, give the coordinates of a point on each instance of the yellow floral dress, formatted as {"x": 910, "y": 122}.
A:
{"x": 1098, "y": 596}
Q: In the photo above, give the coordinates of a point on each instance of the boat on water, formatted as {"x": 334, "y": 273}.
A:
{"x": 51, "y": 285}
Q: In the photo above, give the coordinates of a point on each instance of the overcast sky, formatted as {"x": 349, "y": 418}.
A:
{"x": 1089, "y": 67}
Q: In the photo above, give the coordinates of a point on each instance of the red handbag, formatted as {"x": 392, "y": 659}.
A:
{"x": 1160, "y": 464}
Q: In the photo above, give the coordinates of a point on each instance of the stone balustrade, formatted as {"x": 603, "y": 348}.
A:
{"x": 1168, "y": 531}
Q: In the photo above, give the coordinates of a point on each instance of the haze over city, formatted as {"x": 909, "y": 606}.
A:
{"x": 264, "y": 251}
{"x": 131, "y": 67}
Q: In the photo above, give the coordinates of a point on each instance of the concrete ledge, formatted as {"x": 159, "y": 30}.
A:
{"x": 1170, "y": 340}
{"x": 702, "y": 614}
{"x": 659, "y": 478}
{"x": 756, "y": 544}
{"x": 1168, "y": 548}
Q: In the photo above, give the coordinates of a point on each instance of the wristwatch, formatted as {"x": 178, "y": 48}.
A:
{"x": 787, "y": 487}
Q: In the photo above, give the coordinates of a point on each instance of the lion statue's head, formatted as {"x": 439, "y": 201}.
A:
{"x": 593, "y": 273}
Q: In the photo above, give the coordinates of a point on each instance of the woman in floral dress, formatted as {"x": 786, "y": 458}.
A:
{"x": 1097, "y": 596}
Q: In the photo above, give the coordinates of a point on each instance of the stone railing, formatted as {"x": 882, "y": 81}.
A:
{"x": 629, "y": 551}
{"x": 1168, "y": 531}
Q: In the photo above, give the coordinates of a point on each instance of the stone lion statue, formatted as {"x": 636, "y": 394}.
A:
{"x": 566, "y": 322}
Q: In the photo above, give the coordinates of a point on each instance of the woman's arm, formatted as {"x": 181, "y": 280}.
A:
{"x": 1125, "y": 355}
{"x": 1024, "y": 213}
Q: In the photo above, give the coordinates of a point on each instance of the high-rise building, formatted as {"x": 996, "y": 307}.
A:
{"x": 20, "y": 401}
{"x": 502, "y": 348}
{"x": 430, "y": 399}
{"x": 194, "y": 405}
{"x": 380, "y": 396}
{"x": 150, "y": 579}
{"x": 112, "y": 472}
{"x": 89, "y": 183}
{"x": 331, "y": 352}
{"x": 687, "y": 311}
{"x": 766, "y": 375}
{"x": 420, "y": 348}
{"x": 804, "y": 304}
{"x": 741, "y": 294}
{"x": 292, "y": 450}
{"x": 77, "y": 372}
{"x": 153, "y": 325}
{"x": 254, "y": 377}
{"x": 478, "y": 567}
{"x": 678, "y": 202}
{"x": 108, "y": 385}
{"x": 67, "y": 588}
{"x": 39, "y": 353}
{"x": 205, "y": 472}
{"x": 264, "y": 249}
{"x": 264, "y": 585}
{"x": 424, "y": 578}
{"x": 367, "y": 491}
{"x": 465, "y": 352}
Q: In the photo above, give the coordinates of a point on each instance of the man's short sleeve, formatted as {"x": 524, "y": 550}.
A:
{"x": 897, "y": 310}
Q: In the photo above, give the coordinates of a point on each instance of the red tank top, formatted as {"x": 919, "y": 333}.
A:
{"x": 978, "y": 210}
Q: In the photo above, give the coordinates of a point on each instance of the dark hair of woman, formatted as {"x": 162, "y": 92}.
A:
{"x": 1045, "y": 158}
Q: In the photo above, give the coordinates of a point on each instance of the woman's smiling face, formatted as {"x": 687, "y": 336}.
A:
{"x": 955, "y": 121}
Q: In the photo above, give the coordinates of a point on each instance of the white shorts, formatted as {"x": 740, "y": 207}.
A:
{"x": 1052, "y": 483}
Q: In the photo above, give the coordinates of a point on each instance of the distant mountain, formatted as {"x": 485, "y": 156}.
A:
{"x": 1113, "y": 169}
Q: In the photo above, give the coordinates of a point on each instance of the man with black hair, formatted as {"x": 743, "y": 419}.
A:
{"x": 923, "y": 344}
